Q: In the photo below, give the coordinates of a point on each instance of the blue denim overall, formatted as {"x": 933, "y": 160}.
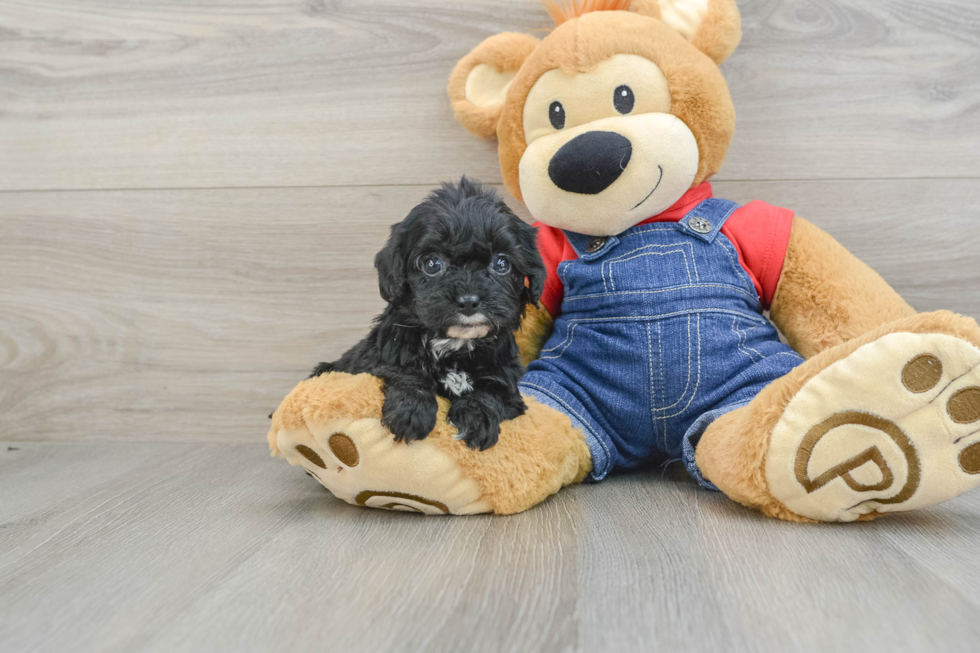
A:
{"x": 661, "y": 333}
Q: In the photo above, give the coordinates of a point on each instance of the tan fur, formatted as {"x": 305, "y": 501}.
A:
{"x": 699, "y": 95}
{"x": 535, "y": 330}
{"x": 650, "y": 8}
{"x": 720, "y": 32}
{"x": 731, "y": 453}
{"x": 313, "y": 400}
{"x": 826, "y": 296}
{"x": 505, "y": 52}
{"x": 717, "y": 36}
{"x": 538, "y": 453}
{"x": 566, "y": 10}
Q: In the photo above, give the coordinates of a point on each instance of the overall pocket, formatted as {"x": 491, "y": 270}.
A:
{"x": 670, "y": 265}
{"x": 674, "y": 353}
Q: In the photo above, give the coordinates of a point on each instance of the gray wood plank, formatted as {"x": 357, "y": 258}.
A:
{"x": 756, "y": 584}
{"x": 187, "y": 315}
{"x": 177, "y": 547}
{"x": 184, "y": 316}
{"x": 44, "y": 490}
{"x": 172, "y": 94}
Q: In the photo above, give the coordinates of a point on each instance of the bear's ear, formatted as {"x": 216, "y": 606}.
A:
{"x": 478, "y": 84}
{"x": 713, "y": 26}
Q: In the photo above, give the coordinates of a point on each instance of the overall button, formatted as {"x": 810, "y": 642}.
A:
{"x": 595, "y": 244}
{"x": 699, "y": 225}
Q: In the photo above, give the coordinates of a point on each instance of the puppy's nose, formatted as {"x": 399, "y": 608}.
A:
{"x": 589, "y": 163}
{"x": 468, "y": 304}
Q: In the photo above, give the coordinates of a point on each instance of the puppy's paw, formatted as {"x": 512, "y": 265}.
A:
{"x": 410, "y": 415}
{"x": 478, "y": 426}
{"x": 514, "y": 408}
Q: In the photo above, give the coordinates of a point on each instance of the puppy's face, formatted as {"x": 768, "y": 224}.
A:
{"x": 462, "y": 263}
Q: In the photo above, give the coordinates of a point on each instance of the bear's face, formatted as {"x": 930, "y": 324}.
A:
{"x": 607, "y": 121}
{"x": 599, "y": 153}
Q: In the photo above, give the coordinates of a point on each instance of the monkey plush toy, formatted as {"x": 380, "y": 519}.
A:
{"x": 650, "y": 342}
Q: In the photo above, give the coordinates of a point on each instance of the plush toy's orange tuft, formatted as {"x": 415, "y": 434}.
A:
{"x": 564, "y": 11}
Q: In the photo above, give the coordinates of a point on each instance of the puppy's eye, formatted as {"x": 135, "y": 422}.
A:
{"x": 623, "y": 99}
{"x": 556, "y": 113}
{"x": 431, "y": 265}
{"x": 500, "y": 264}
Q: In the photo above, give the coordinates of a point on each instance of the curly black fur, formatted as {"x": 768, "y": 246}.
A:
{"x": 412, "y": 345}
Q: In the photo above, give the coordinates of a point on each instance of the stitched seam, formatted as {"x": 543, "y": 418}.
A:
{"x": 751, "y": 296}
{"x": 567, "y": 342}
{"x": 625, "y": 256}
{"x": 787, "y": 353}
{"x": 697, "y": 383}
{"x": 687, "y": 383}
{"x": 687, "y": 267}
{"x": 739, "y": 335}
{"x": 649, "y": 246}
{"x": 693, "y": 311}
{"x": 742, "y": 340}
{"x": 667, "y": 226}
{"x": 581, "y": 419}
{"x": 562, "y": 269}
{"x": 660, "y": 346}
{"x": 738, "y": 270}
{"x": 653, "y": 386}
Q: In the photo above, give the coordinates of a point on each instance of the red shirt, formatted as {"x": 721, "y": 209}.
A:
{"x": 759, "y": 232}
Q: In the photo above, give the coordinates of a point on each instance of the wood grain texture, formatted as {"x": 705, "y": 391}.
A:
{"x": 146, "y": 333}
{"x": 175, "y": 94}
{"x": 188, "y": 315}
{"x": 177, "y": 547}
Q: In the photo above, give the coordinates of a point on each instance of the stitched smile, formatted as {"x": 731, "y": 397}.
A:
{"x": 654, "y": 188}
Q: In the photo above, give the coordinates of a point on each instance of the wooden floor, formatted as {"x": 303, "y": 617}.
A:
{"x": 191, "y": 194}
{"x": 216, "y": 547}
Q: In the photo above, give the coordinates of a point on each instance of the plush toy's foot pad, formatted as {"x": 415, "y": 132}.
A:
{"x": 894, "y": 426}
{"x": 359, "y": 461}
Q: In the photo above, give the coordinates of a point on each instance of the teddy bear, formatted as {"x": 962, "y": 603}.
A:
{"x": 650, "y": 342}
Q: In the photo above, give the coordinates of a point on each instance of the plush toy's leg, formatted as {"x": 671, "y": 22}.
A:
{"x": 330, "y": 426}
{"x": 886, "y": 422}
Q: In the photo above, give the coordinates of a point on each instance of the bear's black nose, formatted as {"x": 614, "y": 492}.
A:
{"x": 468, "y": 304}
{"x": 590, "y": 162}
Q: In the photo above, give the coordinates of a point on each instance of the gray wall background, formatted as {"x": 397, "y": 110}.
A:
{"x": 191, "y": 193}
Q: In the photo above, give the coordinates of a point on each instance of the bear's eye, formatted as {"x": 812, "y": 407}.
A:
{"x": 431, "y": 265}
{"x": 623, "y": 99}
{"x": 557, "y": 115}
{"x": 500, "y": 264}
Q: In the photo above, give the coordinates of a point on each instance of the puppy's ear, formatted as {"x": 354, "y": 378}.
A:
{"x": 390, "y": 263}
{"x": 534, "y": 268}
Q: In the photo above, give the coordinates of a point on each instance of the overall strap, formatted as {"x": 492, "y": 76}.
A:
{"x": 703, "y": 222}
{"x": 706, "y": 219}
{"x": 590, "y": 247}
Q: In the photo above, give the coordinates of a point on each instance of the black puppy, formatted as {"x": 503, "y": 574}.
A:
{"x": 457, "y": 274}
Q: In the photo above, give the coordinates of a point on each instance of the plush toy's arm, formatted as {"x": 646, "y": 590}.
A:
{"x": 827, "y": 296}
{"x": 535, "y": 330}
